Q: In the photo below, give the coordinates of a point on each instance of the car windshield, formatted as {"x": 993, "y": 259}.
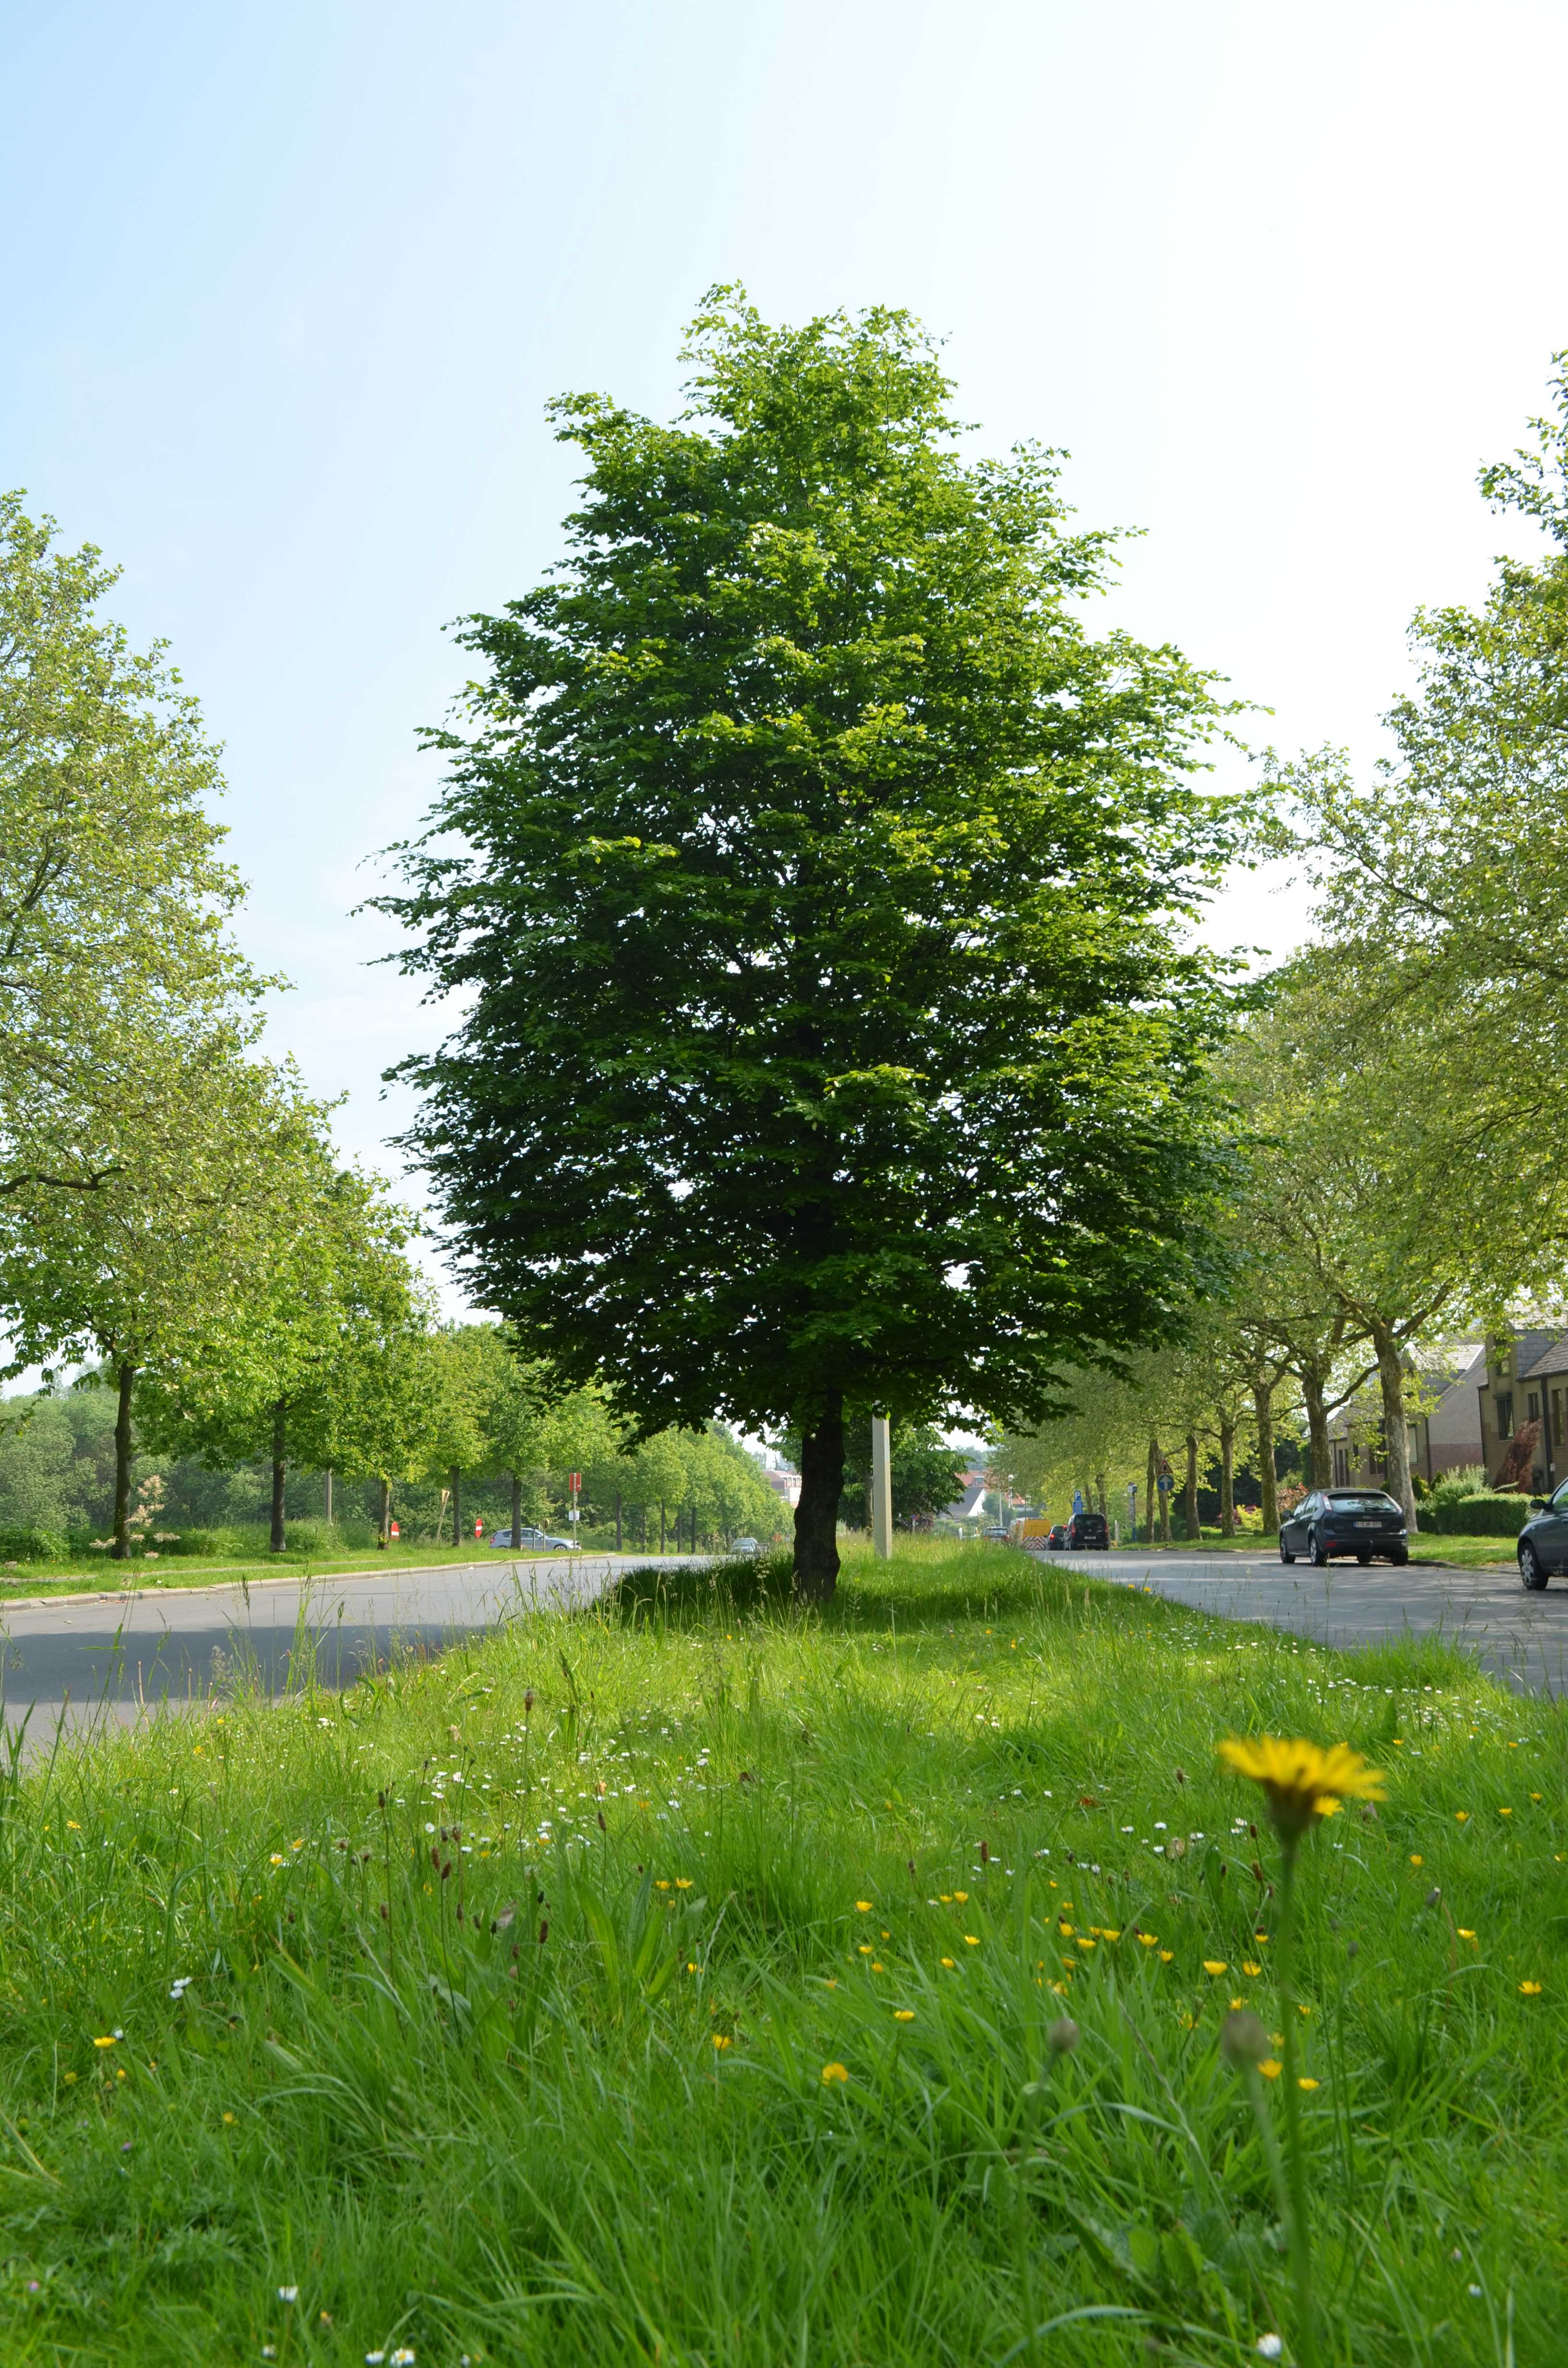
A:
{"x": 1359, "y": 1504}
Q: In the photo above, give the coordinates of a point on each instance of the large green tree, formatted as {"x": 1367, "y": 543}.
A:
{"x": 112, "y": 897}
{"x": 1448, "y": 867}
{"x": 812, "y": 881}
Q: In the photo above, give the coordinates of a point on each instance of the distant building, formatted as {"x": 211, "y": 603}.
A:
{"x": 1525, "y": 1379}
{"x": 784, "y": 1484}
{"x": 1444, "y": 1436}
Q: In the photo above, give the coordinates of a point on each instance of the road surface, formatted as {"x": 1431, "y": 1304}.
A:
{"x": 1520, "y": 1637}
{"x": 119, "y": 1654}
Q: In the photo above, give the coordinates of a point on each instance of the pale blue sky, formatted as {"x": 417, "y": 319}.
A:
{"x": 287, "y": 289}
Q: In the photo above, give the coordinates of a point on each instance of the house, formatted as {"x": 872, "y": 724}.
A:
{"x": 971, "y": 1506}
{"x": 1444, "y": 1434}
{"x": 1525, "y": 1379}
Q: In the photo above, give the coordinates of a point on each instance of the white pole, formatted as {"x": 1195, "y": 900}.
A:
{"x": 882, "y": 1488}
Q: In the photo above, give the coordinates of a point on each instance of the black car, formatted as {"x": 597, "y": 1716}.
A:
{"x": 1359, "y": 1521}
{"x": 1090, "y": 1529}
{"x": 1543, "y": 1541}
{"x": 1057, "y": 1538}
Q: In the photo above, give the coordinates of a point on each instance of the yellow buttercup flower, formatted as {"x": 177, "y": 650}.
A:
{"x": 972, "y": 1939}
{"x": 864, "y": 1906}
{"x": 949, "y": 1963}
{"x": 1150, "y": 1940}
{"x": 1270, "y": 2067}
{"x": 1305, "y": 2081}
{"x": 903, "y": 2014}
{"x": 1214, "y": 1966}
{"x": 1250, "y": 1968}
{"x": 1166, "y": 1956}
{"x": 1529, "y": 1989}
{"x": 1301, "y": 1779}
{"x": 721, "y": 2041}
{"x": 833, "y": 2072}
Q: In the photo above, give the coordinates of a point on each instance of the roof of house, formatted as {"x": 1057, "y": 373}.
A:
{"x": 1553, "y": 1359}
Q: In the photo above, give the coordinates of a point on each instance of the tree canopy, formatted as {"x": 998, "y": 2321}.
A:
{"x": 814, "y": 884}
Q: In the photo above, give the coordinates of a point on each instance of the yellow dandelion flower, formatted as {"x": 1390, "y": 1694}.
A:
{"x": 877, "y": 1967}
{"x": 903, "y": 2014}
{"x": 1237, "y": 2004}
{"x": 1108, "y": 1935}
{"x": 947, "y": 1898}
{"x": 1535, "y": 1796}
{"x": 1250, "y": 1968}
{"x": 1301, "y": 1779}
{"x": 865, "y": 1948}
{"x": 1417, "y": 1859}
{"x": 1305, "y": 2080}
{"x": 1214, "y": 1967}
{"x": 960, "y": 1897}
{"x": 972, "y": 1940}
{"x": 1462, "y": 1816}
{"x": 1270, "y": 2067}
{"x": 1066, "y": 1930}
{"x": 721, "y": 2041}
{"x": 949, "y": 1963}
{"x": 1166, "y": 1956}
{"x": 1149, "y": 1940}
{"x": 1529, "y": 1989}
{"x": 864, "y": 1906}
{"x": 105, "y": 2043}
{"x": 830, "y": 2072}
{"x": 1084, "y": 1943}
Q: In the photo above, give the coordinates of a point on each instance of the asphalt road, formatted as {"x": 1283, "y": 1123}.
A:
{"x": 119, "y": 1655}
{"x": 1520, "y": 1637}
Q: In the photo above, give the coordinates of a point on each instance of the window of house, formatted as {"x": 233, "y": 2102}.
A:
{"x": 1533, "y": 1402}
{"x": 1504, "y": 1414}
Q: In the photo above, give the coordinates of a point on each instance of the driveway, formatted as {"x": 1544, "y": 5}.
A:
{"x": 116, "y": 1655}
{"x": 1520, "y": 1637}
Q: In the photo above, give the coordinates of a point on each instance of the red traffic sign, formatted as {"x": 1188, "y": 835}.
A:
{"x": 573, "y": 1481}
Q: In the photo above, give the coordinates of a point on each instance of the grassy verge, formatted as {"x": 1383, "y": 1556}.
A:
{"x": 143, "y": 1575}
{"x": 684, "y": 1981}
{"x": 1426, "y": 1547}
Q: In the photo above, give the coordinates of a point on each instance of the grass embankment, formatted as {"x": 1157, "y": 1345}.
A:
{"x": 701, "y": 2009}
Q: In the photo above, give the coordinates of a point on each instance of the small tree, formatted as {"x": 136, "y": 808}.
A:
{"x": 812, "y": 883}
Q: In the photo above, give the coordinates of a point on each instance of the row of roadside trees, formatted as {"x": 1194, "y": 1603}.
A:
{"x": 1396, "y": 1087}
{"x": 172, "y": 1212}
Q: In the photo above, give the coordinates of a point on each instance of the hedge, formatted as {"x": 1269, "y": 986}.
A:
{"x": 1476, "y": 1517}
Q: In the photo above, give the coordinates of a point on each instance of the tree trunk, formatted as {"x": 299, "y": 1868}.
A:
{"x": 1100, "y": 1496}
{"x": 1150, "y": 1489}
{"x": 456, "y": 1478}
{"x": 617, "y": 1520}
{"x": 279, "y": 1470}
{"x": 1164, "y": 1497}
{"x": 328, "y": 1476}
{"x": 1227, "y": 1479}
{"x": 662, "y": 1546}
{"x": 518, "y": 1514}
{"x": 122, "y": 1466}
{"x": 385, "y": 1537}
{"x": 816, "y": 1515}
{"x": 1189, "y": 1498}
{"x": 1317, "y": 1428}
{"x": 1262, "y": 1406}
{"x": 1396, "y": 1438}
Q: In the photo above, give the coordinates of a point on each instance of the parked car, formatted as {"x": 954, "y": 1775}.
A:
{"x": 1090, "y": 1529}
{"x": 1359, "y": 1521}
{"x": 530, "y": 1542}
{"x": 1058, "y": 1537}
{"x": 1543, "y": 1541}
{"x": 745, "y": 1546}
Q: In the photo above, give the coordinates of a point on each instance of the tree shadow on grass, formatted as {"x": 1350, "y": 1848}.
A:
{"x": 978, "y": 1584}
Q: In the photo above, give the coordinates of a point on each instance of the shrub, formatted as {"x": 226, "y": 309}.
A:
{"x": 1476, "y": 1516}
{"x": 26, "y": 1541}
{"x": 1467, "y": 1480}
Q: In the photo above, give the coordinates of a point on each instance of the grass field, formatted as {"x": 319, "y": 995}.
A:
{"x": 677, "y": 1983}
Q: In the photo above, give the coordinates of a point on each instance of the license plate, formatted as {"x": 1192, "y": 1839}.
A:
{"x": 1366, "y": 1525}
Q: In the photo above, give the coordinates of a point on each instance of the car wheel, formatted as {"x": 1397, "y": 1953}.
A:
{"x": 1318, "y": 1551}
{"x": 1530, "y": 1570}
{"x": 1400, "y": 1557}
{"x": 1363, "y": 1559}
{"x": 1283, "y": 1555}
